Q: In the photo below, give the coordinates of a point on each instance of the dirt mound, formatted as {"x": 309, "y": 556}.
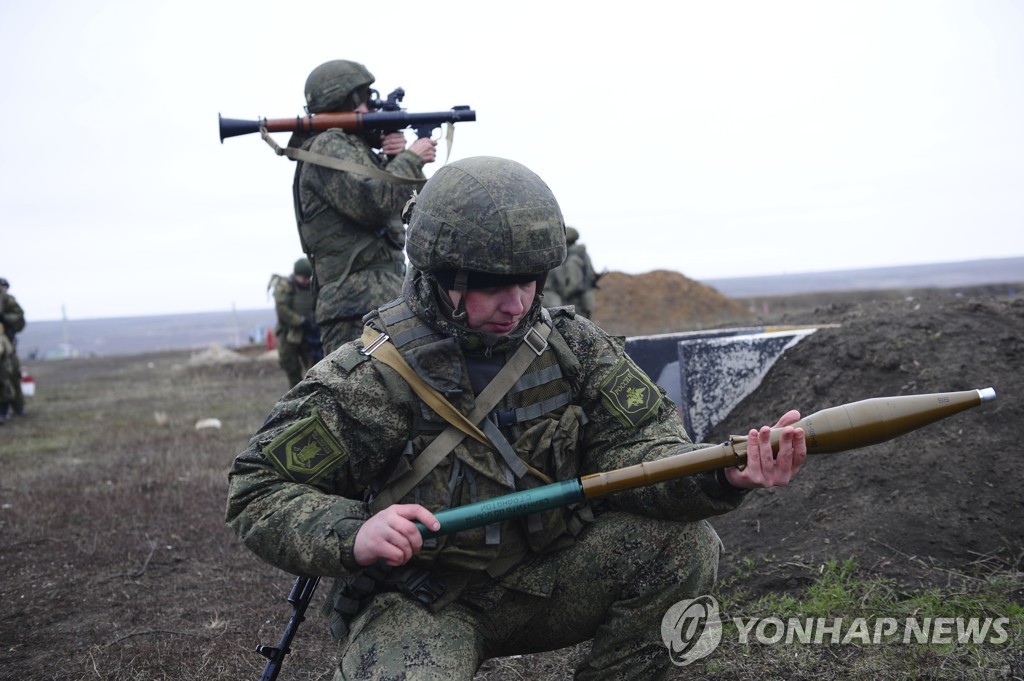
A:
{"x": 658, "y": 302}
{"x": 946, "y": 495}
{"x": 215, "y": 354}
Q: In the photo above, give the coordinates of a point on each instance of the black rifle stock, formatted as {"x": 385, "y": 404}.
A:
{"x": 300, "y": 597}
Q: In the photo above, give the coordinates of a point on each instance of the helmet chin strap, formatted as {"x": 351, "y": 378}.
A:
{"x": 461, "y": 285}
{"x": 456, "y": 313}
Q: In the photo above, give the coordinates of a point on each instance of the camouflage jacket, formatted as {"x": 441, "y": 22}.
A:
{"x": 350, "y": 226}
{"x": 298, "y": 493}
{"x": 293, "y": 305}
{"x": 12, "y": 317}
{"x": 572, "y": 282}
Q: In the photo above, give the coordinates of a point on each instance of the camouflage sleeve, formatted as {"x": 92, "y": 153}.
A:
{"x": 295, "y": 495}
{"x": 362, "y": 200}
{"x": 632, "y": 421}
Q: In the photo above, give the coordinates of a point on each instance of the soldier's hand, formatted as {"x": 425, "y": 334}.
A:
{"x": 393, "y": 143}
{"x": 764, "y": 469}
{"x": 391, "y": 535}
{"x": 425, "y": 148}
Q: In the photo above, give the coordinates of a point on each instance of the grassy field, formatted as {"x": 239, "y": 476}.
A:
{"x": 115, "y": 562}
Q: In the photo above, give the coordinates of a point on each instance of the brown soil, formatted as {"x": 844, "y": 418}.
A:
{"x": 946, "y": 495}
{"x": 115, "y": 562}
{"x": 943, "y": 496}
{"x": 659, "y": 302}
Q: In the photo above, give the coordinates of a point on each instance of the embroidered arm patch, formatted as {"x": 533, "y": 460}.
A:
{"x": 305, "y": 451}
{"x": 629, "y": 394}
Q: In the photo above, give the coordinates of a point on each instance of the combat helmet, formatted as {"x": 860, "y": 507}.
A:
{"x": 338, "y": 85}
{"x": 303, "y": 267}
{"x": 485, "y": 221}
{"x": 480, "y": 222}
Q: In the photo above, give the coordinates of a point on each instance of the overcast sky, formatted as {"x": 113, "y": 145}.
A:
{"x": 714, "y": 138}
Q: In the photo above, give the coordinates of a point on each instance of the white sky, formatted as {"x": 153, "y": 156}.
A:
{"x": 714, "y": 138}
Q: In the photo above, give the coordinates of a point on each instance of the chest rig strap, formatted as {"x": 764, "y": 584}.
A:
{"x": 376, "y": 344}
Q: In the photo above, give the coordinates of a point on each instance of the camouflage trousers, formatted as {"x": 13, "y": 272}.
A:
{"x": 613, "y": 586}
{"x": 295, "y": 361}
{"x": 10, "y": 382}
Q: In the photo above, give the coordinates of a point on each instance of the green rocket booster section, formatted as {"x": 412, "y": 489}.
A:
{"x": 836, "y": 429}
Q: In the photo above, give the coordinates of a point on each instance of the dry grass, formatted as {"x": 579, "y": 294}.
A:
{"x": 115, "y": 559}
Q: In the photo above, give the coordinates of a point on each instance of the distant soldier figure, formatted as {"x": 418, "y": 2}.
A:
{"x": 350, "y": 221}
{"x": 574, "y": 281}
{"x": 297, "y": 334}
{"x": 12, "y": 322}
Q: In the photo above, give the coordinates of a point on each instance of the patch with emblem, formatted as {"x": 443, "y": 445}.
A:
{"x": 629, "y": 394}
{"x": 305, "y": 451}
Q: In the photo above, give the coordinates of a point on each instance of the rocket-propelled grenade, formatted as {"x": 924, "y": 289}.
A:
{"x": 836, "y": 429}
{"x": 385, "y": 121}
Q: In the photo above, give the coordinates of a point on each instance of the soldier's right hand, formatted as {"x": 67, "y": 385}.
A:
{"x": 391, "y": 535}
{"x": 425, "y": 148}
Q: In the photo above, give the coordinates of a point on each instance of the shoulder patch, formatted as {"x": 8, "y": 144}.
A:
{"x": 629, "y": 394}
{"x": 305, "y": 451}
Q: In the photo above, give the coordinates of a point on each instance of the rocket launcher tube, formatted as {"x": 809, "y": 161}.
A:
{"x": 507, "y": 506}
{"x": 836, "y": 429}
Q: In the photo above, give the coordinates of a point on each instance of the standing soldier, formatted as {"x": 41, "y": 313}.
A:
{"x": 12, "y": 319}
{"x": 352, "y": 457}
{"x": 573, "y": 282}
{"x": 350, "y": 220}
{"x": 297, "y": 334}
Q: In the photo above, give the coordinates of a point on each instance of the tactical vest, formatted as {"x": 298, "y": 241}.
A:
{"x": 302, "y": 301}
{"x": 536, "y": 419}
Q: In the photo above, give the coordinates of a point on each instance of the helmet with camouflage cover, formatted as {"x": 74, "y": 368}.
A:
{"x": 303, "y": 267}
{"x": 478, "y": 223}
{"x": 338, "y": 85}
{"x": 488, "y": 218}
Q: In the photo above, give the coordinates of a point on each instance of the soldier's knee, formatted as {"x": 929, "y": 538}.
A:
{"x": 700, "y": 549}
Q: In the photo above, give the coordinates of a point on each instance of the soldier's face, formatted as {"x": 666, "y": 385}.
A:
{"x": 497, "y": 310}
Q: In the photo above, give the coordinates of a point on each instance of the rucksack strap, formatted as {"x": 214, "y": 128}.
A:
{"x": 377, "y": 344}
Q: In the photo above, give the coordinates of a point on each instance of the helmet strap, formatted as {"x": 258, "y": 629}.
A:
{"x": 461, "y": 285}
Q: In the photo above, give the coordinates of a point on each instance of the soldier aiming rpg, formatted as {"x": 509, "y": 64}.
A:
{"x": 836, "y": 429}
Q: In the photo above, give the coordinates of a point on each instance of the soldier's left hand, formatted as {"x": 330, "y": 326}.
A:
{"x": 765, "y": 469}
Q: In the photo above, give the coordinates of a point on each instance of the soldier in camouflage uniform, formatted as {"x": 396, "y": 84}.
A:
{"x": 573, "y": 282}
{"x": 297, "y": 334}
{"x": 12, "y": 322}
{"x": 350, "y": 224}
{"x": 331, "y": 483}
